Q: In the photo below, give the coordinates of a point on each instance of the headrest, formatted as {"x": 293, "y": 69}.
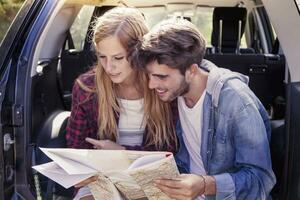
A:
{"x": 230, "y": 17}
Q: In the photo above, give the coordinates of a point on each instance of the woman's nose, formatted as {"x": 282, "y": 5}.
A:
{"x": 109, "y": 66}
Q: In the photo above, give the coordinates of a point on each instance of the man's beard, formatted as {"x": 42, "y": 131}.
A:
{"x": 182, "y": 90}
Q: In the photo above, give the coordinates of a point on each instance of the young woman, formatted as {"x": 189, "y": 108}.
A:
{"x": 112, "y": 107}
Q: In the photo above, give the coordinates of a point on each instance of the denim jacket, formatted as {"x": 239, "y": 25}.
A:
{"x": 235, "y": 138}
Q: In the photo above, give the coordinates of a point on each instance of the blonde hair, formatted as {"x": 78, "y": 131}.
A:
{"x": 128, "y": 25}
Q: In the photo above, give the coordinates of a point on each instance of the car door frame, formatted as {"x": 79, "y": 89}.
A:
{"x": 13, "y": 61}
{"x": 288, "y": 34}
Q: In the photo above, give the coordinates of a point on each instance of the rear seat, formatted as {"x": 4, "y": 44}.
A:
{"x": 52, "y": 135}
{"x": 278, "y": 148}
{"x": 266, "y": 74}
{"x": 228, "y": 28}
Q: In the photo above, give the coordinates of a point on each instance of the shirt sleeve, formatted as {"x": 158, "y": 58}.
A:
{"x": 79, "y": 125}
{"x": 254, "y": 178}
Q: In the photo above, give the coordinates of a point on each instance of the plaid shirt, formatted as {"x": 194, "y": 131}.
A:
{"x": 84, "y": 116}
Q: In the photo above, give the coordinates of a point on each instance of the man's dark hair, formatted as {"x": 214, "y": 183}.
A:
{"x": 174, "y": 42}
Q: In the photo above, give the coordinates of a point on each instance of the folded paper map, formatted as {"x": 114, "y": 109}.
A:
{"x": 121, "y": 174}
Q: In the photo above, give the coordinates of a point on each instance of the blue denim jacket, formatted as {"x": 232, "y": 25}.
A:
{"x": 235, "y": 138}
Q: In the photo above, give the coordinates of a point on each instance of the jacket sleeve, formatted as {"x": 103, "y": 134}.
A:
{"x": 254, "y": 178}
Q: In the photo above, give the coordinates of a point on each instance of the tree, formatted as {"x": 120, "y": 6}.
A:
{"x": 17, "y": 1}
{"x": 8, "y": 10}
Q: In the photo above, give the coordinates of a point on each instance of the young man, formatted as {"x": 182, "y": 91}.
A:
{"x": 224, "y": 130}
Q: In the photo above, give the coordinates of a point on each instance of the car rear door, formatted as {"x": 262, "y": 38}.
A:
{"x": 11, "y": 112}
{"x": 287, "y": 27}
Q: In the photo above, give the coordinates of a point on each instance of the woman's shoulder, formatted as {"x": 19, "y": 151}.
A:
{"x": 84, "y": 87}
{"x": 87, "y": 78}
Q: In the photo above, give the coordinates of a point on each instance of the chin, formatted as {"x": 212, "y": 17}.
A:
{"x": 170, "y": 98}
{"x": 117, "y": 81}
{"x": 165, "y": 98}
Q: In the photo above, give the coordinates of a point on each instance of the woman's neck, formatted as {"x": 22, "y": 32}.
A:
{"x": 128, "y": 91}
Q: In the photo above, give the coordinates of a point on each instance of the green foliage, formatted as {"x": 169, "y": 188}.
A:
{"x": 16, "y": 1}
{"x": 8, "y": 11}
{"x": 2, "y": 1}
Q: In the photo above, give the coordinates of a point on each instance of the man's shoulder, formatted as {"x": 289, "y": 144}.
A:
{"x": 235, "y": 96}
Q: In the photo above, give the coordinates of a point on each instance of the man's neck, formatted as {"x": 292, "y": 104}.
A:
{"x": 196, "y": 89}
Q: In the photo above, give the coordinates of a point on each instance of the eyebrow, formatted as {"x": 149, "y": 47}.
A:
{"x": 160, "y": 75}
{"x": 118, "y": 54}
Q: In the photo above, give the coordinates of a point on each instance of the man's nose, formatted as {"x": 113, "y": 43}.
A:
{"x": 152, "y": 83}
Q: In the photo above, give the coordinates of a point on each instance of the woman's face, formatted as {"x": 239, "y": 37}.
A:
{"x": 112, "y": 56}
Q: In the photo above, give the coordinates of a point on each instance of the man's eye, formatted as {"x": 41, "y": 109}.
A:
{"x": 101, "y": 57}
{"x": 119, "y": 58}
{"x": 161, "y": 77}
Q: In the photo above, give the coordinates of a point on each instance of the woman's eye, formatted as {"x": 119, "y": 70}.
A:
{"x": 101, "y": 57}
{"x": 119, "y": 58}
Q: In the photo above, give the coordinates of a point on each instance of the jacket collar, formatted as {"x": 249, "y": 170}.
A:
{"x": 217, "y": 78}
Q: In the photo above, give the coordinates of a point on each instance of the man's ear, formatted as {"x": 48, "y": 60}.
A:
{"x": 191, "y": 72}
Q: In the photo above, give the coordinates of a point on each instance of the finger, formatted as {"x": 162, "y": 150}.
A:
{"x": 94, "y": 142}
{"x": 171, "y": 191}
{"x": 86, "y": 181}
{"x": 178, "y": 197}
{"x": 176, "y": 178}
{"x": 171, "y": 183}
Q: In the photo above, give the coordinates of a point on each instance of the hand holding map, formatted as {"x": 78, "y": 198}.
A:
{"x": 130, "y": 173}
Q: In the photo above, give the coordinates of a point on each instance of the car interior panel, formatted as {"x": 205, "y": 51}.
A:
{"x": 292, "y": 180}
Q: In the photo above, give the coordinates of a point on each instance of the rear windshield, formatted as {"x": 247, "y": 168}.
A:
{"x": 200, "y": 16}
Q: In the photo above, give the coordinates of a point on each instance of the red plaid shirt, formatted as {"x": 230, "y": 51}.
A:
{"x": 83, "y": 120}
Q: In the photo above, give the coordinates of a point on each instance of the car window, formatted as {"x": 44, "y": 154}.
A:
{"x": 200, "y": 16}
{"x": 153, "y": 15}
{"x": 273, "y": 32}
{"x": 79, "y": 28}
{"x": 8, "y": 11}
{"x": 297, "y": 2}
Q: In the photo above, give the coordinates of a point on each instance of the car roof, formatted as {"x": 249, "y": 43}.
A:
{"x": 150, "y": 3}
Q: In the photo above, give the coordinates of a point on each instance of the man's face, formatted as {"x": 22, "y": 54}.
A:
{"x": 167, "y": 82}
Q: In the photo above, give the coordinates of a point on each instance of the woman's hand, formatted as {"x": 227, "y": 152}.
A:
{"x": 104, "y": 144}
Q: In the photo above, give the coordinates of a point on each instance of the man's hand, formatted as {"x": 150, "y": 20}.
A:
{"x": 185, "y": 186}
{"x": 104, "y": 144}
{"x": 86, "y": 182}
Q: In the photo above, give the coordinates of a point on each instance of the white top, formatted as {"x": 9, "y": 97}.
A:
{"x": 131, "y": 126}
{"x": 191, "y": 122}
